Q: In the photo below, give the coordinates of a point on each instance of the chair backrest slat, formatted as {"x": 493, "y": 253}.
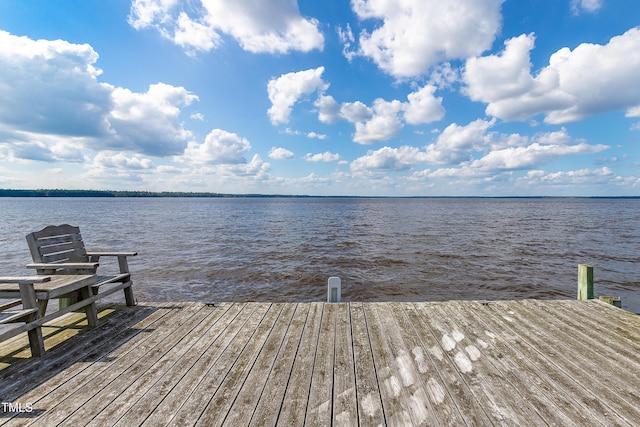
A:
{"x": 56, "y": 244}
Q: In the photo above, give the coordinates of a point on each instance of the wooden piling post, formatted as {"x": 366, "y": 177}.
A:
{"x": 585, "y": 282}
{"x": 334, "y": 289}
{"x": 615, "y": 301}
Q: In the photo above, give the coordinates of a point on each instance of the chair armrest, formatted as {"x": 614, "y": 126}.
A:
{"x": 111, "y": 253}
{"x": 71, "y": 265}
{"x": 25, "y": 279}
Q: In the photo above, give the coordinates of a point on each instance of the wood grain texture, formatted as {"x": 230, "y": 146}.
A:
{"x": 450, "y": 363}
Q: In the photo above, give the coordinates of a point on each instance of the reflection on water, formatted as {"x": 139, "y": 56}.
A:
{"x": 284, "y": 249}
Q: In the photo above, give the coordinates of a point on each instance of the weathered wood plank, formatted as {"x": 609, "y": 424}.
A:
{"x": 399, "y": 408}
{"x": 587, "y": 367}
{"x": 268, "y": 407}
{"x": 345, "y": 407}
{"x": 420, "y": 407}
{"x": 244, "y": 405}
{"x": 588, "y": 333}
{"x": 582, "y": 320}
{"x": 229, "y": 364}
{"x": 210, "y": 368}
{"x": 34, "y": 382}
{"x": 320, "y": 405}
{"x": 87, "y": 391}
{"x": 368, "y": 395}
{"x": 296, "y": 398}
{"x": 220, "y": 404}
{"x": 143, "y": 403}
{"x": 499, "y": 342}
{"x": 449, "y": 363}
{"x": 513, "y": 361}
{"x": 161, "y": 375}
{"x": 442, "y": 405}
{"x": 506, "y": 405}
{"x": 444, "y": 377}
{"x": 18, "y": 379}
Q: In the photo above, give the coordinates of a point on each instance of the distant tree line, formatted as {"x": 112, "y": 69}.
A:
{"x": 109, "y": 193}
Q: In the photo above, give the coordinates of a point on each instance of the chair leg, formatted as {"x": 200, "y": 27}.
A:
{"x": 90, "y": 309}
{"x": 128, "y": 295}
{"x": 36, "y": 342}
{"x": 42, "y": 307}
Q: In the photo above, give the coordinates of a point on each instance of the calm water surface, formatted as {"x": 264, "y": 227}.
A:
{"x": 285, "y": 249}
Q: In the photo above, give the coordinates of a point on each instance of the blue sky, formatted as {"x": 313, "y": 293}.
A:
{"x": 378, "y": 97}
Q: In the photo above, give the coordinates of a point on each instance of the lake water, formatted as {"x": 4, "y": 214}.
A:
{"x": 285, "y": 249}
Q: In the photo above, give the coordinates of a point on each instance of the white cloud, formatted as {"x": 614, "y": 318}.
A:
{"x": 355, "y": 112}
{"x": 149, "y": 122}
{"x": 194, "y": 36}
{"x": 120, "y": 161}
{"x": 388, "y": 158}
{"x": 383, "y": 125}
{"x": 532, "y": 156}
{"x": 633, "y": 112}
{"x": 51, "y": 87}
{"x": 219, "y": 147}
{"x": 456, "y": 146}
{"x": 287, "y": 89}
{"x": 495, "y": 77}
{"x": 417, "y": 34}
{"x": 347, "y": 39}
{"x": 423, "y": 107}
{"x": 259, "y": 27}
{"x": 315, "y": 135}
{"x": 49, "y": 90}
{"x": 279, "y": 153}
{"x": 312, "y": 135}
{"x": 256, "y": 168}
{"x": 456, "y": 143}
{"x": 322, "y": 157}
{"x": 385, "y": 119}
{"x": 576, "y": 84}
{"x": 589, "y": 177}
{"x": 328, "y": 109}
{"x": 590, "y": 6}
{"x": 443, "y": 75}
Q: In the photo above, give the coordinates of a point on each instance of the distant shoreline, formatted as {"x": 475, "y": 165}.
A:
{"x": 134, "y": 194}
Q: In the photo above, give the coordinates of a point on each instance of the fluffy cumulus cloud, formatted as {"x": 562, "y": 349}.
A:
{"x": 259, "y": 27}
{"x": 417, "y": 34}
{"x": 572, "y": 178}
{"x": 456, "y": 143}
{"x": 219, "y": 147}
{"x": 384, "y": 119}
{"x": 120, "y": 161}
{"x": 578, "y": 83}
{"x": 388, "y": 158}
{"x": 383, "y": 124}
{"x": 287, "y": 89}
{"x": 472, "y": 150}
{"x": 322, "y": 157}
{"x": 50, "y": 90}
{"x": 531, "y": 156}
{"x": 279, "y": 153}
{"x": 423, "y": 106}
{"x": 51, "y": 87}
{"x": 149, "y": 122}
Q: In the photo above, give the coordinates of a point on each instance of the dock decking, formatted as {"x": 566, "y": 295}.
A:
{"x": 434, "y": 363}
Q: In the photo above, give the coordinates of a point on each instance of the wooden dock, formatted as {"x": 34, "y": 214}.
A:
{"x": 565, "y": 363}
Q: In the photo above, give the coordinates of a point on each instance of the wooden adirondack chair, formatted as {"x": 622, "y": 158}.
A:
{"x": 59, "y": 249}
{"x": 16, "y": 321}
